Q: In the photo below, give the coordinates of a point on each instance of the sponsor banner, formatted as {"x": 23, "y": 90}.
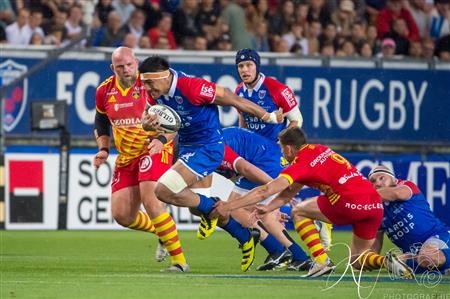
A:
{"x": 31, "y": 191}
{"x": 338, "y": 104}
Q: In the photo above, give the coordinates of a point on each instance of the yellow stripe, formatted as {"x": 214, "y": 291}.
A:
{"x": 136, "y": 221}
{"x": 307, "y": 229}
{"x": 297, "y": 224}
{"x": 168, "y": 236}
{"x": 173, "y": 246}
{"x": 99, "y": 111}
{"x": 160, "y": 218}
{"x": 310, "y": 238}
{"x": 315, "y": 248}
{"x": 372, "y": 260}
{"x": 287, "y": 177}
{"x": 122, "y": 91}
{"x": 2, "y": 212}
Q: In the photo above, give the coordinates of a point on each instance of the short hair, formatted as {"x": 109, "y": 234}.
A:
{"x": 154, "y": 64}
{"x": 292, "y": 136}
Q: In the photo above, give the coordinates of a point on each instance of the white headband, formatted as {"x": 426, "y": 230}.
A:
{"x": 155, "y": 75}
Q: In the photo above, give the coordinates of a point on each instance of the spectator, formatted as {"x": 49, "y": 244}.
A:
{"x": 387, "y": 48}
{"x": 124, "y": 8}
{"x": 224, "y": 43}
{"x": 348, "y": 48}
{"x": 301, "y": 14}
{"x": 373, "y": 8}
{"x": 184, "y": 26}
{"x": 58, "y": 19}
{"x": 371, "y": 38}
{"x": 344, "y": 17}
{"x": 327, "y": 49}
{"x": 111, "y": 34}
{"x": 318, "y": 12}
{"x": 421, "y": 15}
{"x": 366, "y": 50}
{"x": 415, "y": 49}
{"x": 206, "y": 20}
{"x": 102, "y": 10}
{"x": 164, "y": 29}
{"x": 259, "y": 39}
{"x": 135, "y": 24}
{"x": 358, "y": 34}
{"x": 36, "y": 39}
{"x": 313, "y": 33}
{"x": 281, "y": 46}
{"x": 392, "y": 11}
{"x": 295, "y": 36}
{"x": 144, "y": 42}
{"x": 7, "y": 14}
{"x": 49, "y": 8}
{"x": 152, "y": 12}
{"x": 130, "y": 40}
{"x": 35, "y": 22}
{"x": 74, "y": 26}
{"x": 439, "y": 24}
{"x": 3, "y": 39}
{"x": 234, "y": 16}
{"x": 328, "y": 36}
{"x": 55, "y": 36}
{"x": 280, "y": 23}
{"x": 297, "y": 50}
{"x": 200, "y": 43}
{"x": 19, "y": 32}
{"x": 428, "y": 48}
{"x": 443, "y": 48}
{"x": 400, "y": 35}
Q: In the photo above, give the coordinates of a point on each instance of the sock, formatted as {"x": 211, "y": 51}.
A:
{"x": 167, "y": 232}
{"x": 297, "y": 252}
{"x": 143, "y": 223}
{"x": 272, "y": 245}
{"x": 372, "y": 261}
{"x": 206, "y": 204}
{"x": 237, "y": 231}
{"x": 309, "y": 234}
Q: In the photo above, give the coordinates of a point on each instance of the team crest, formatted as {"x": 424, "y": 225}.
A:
{"x": 136, "y": 94}
{"x": 16, "y": 97}
{"x": 179, "y": 99}
{"x": 261, "y": 94}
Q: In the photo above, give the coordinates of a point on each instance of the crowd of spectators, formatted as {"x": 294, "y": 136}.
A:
{"x": 342, "y": 28}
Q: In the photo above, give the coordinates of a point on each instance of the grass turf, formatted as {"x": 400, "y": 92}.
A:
{"x": 120, "y": 264}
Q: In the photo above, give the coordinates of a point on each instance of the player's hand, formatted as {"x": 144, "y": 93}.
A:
{"x": 155, "y": 147}
{"x": 150, "y": 122}
{"x": 261, "y": 210}
{"x": 294, "y": 202}
{"x": 281, "y": 217}
{"x": 220, "y": 210}
{"x": 274, "y": 117}
{"x": 100, "y": 158}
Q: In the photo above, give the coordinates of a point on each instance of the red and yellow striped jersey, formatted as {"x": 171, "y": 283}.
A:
{"x": 124, "y": 108}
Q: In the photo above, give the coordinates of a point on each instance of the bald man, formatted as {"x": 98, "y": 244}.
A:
{"x": 410, "y": 224}
{"x": 143, "y": 156}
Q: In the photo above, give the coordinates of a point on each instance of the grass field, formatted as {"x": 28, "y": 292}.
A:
{"x": 120, "y": 264}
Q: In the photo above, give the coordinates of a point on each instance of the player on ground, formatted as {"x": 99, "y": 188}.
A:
{"x": 120, "y": 103}
{"x": 200, "y": 139}
{"x": 271, "y": 95}
{"x": 348, "y": 198}
{"x": 243, "y": 146}
{"x": 410, "y": 224}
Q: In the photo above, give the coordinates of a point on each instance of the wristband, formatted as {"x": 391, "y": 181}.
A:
{"x": 162, "y": 138}
{"x": 104, "y": 149}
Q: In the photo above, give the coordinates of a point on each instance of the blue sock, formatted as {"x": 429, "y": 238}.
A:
{"x": 272, "y": 245}
{"x": 237, "y": 231}
{"x": 206, "y": 204}
{"x": 297, "y": 252}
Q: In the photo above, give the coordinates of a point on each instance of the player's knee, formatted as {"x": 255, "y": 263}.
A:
{"x": 169, "y": 184}
{"x": 297, "y": 213}
{"x": 122, "y": 218}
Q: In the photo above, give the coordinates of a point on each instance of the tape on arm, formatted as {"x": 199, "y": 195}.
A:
{"x": 295, "y": 115}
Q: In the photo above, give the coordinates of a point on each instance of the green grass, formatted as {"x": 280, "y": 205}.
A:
{"x": 120, "y": 264}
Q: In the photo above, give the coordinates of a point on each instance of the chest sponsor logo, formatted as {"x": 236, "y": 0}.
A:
{"x": 207, "y": 91}
{"x": 117, "y": 107}
{"x": 126, "y": 122}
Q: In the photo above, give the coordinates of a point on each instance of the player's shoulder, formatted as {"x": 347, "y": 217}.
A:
{"x": 239, "y": 87}
{"x": 409, "y": 184}
{"x": 273, "y": 84}
{"x": 106, "y": 83}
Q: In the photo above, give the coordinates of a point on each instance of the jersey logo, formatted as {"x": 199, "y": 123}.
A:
{"x": 112, "y": 99}
{"x": 186, "y": 156}
{"x": 261, "y": 94}
{"x": 179, "y": 99}
{"x": 289, "y": 97}
{"x": 15, "y": 98}
{"x": 145, "y": 163}
{"x": 136, "y": 94}
{"x": 207, "y": 91}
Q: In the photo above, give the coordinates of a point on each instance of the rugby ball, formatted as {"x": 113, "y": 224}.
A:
{"x": 169, "y": 120}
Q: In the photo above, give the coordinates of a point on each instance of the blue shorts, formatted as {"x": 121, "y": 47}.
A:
{"x": 202, "y": 159}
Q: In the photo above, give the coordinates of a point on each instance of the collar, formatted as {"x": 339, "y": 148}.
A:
{"x": 258, "y": 84}
{"x": 173, "y": 87}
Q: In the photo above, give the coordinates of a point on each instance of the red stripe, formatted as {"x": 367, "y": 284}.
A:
{"x": 167, "y": 231}
{"x": 165, "y": 221}
{"x": 146, "y": 219}
{"x": 304, "y": 225}
{"x": 173, "y": 240}
{"x": 318, "y": 252}
{"x": 307, "y": 234}
{"x": 177, "y": 251}
{"x": 313, "y": 242}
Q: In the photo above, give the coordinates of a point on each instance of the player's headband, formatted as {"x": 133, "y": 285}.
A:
{"x": 155, "y": 75}
{"x": 381, "y": 169}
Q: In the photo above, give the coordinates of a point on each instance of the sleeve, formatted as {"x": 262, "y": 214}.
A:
{"x": 229, "y": 160}
{"x": 283, "y": 96}
{"x": 410, "y": 185}
{"x": 100, "y": 100}
{"x": 293, "y": 173}
{"x": 198, "y": 91}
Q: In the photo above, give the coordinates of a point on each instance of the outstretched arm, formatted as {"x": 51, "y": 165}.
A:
{"x": 251, "y": 172}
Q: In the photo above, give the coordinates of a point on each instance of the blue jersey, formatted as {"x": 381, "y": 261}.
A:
{"x": 411, "y": 222}
{"x": 192, "y": 99}
{"x": 258, "y": 150}
{"x": 270, "y": 94}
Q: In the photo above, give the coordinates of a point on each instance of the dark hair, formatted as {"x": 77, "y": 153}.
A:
{"x": 292, "y": 136}
{"x": 154, "y": 64}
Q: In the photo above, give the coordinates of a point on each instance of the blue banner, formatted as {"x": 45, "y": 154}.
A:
{"x": 338, "y": 104}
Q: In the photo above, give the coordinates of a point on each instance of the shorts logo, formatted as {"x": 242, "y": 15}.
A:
{"x": 145, "y": 163}
{"x": 186, "y": 156}
{"x": 16, "y": 98}
{"x": 207, "y": 91}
